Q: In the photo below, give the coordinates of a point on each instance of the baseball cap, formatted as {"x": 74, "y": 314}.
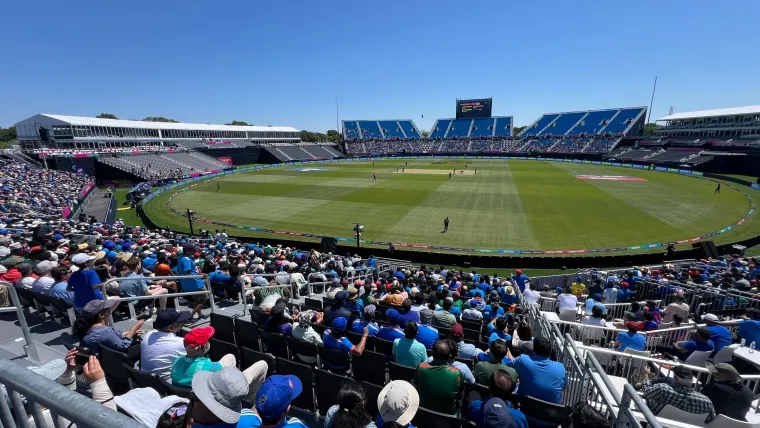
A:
{"x": 94, "y": 307}
{"x": 222, "y": 392}
{"x": 275, "y": 394}
{"x": 597, "y": 297}
{"x": 710, "y": 317}
{"x": 684, "y": 373}
{"x": 723, "y": 368}
{"x": 392, "y": 315}
{"x": 341, "y": 296}
{"x": 45, "y": 266}
{"x": 426, "y": 316}
{"x": 398, "y": 402}
{"x": 496, "y": 414}
{"x": 473, "y": 303}
{"x": 339, "y": 323}
{"x": 168, "y": 317}
{"x": 457, "y": 331}
{"x": 518, "y": 271}
{"x": 198, "y": 336}
{"x": 81, "y": 258}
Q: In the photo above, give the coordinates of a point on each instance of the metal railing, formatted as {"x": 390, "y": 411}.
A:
{"x": 62, "y": 403}
{"x": 130, "y": 300}
{"x": 29, "y": 348}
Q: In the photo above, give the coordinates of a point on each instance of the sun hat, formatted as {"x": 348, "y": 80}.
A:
{"x": 275, "y": 394}
{"x": 45, "y": 266}
{"x": 222, "y": 392}
{"x": 369, "y": 311}
{"x": 198, "y": 336}
{"x": 94, "y": 307}
{"x": 398, "y": 402}
{"x": 145, "y": 405}
{"x": 509, "y": 290}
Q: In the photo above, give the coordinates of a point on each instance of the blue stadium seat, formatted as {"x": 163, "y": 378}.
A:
{"x": 409, "y": 129}
{"x": 459, "y": 128}
{"x": 369, "y": 129}
{"x": 351, "y": 130}
{"x": 623, "y": 121}
{"x": 440, "y": 128}
{"x": 563, "y": 123}
{"x": 503, "y": 127}
{"x": 593, "y": 122}
{"x": 391, "y": 129}
{"x": 482, "y": 127}
{"x": 539, "y": 125}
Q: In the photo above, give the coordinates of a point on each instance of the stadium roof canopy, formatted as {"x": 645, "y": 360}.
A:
{"x": 733, "y": 111}
{"x": 118, "y": 123}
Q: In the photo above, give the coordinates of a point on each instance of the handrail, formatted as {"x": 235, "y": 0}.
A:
{"x": 630, "y": 394}
{"x": 647, "y": 359}
{"x": 207, "y": 291}
{"x": 30, "y": 348}
{"x": 62, "y": 402}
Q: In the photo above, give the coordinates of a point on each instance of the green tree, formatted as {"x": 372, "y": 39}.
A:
{"x": 333, "y": 135}
{"x": 425, "y": 133}
{"x": 649, "y": 128}
{"x": 7, "y": 135}
{"x": 106, "y": 116}
{"x": 518, "y": 129}
{"x": 238, "y": 123}
{"x": 159, "y": 119}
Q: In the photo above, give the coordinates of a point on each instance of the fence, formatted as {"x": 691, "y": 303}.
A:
{"x": 30, "y": 348}
{"x": 62, "y": 403}
{"x": 130, "y": 300}
{"x": 616, "y": 310}
{"x": 111, "y": 212}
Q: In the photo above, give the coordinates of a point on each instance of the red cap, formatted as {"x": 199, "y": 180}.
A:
{"x": 36, "y": 248}
{"x": 457, "y": 331}
{"x": 142, "y": 241}
{"x": 344, "y": 282}
{"x": 624, "y": 284}
{"x": 518, "y": 271}
{"x": 198, "y": 337}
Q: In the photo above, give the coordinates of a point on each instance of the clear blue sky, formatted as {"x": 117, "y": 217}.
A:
{"x": 285, "y": 62}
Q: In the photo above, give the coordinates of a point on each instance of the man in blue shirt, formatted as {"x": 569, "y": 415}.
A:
{"x": 540, "y": 377}
{"x": 335, "y": 338}
{"x": 84, "y": 282}
{"x": 60, "y": 288}
{"x": 366, "y": 321}
{"x": 630, "y": 339}
{"x": 749, "y": 329}
{"x": 720, "y": 335}
{"x": 426, "y": 333}
{"x": 464, "y": 349}
{"x": 392, "y": 330}
{"x": 482, "y": 411}
{"x": 700, "y": 341}
{"x": 520, "y": 279}
{"x": 187, "y": 266}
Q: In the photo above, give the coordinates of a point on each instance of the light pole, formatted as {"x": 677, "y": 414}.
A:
{"x": 190, "y": 214}
{"x": 358, "y": 228}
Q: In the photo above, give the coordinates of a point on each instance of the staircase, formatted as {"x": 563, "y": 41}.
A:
{"x": 283, "y": 153}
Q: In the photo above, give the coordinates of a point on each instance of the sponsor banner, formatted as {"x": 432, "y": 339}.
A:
{"x": 609, "y": 177}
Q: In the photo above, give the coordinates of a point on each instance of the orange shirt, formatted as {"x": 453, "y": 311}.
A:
{"x": 162, "y": 269}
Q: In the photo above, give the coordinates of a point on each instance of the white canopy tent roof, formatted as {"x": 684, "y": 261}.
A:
{"x": 50, "y": 119}
{"x": 733, "y": 111}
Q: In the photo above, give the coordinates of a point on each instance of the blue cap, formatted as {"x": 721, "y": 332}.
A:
{"x": 341, "y": 295}
{"x": 496, "y": 414}
{"x": 3, "y": 231}
{"x": 275, "y": 394}
{"x": 339, "y": 323}
{"x": 56, "y": 237}
{"x": 579, "y": 278}
{"x": 597, "y": 297}
{"x": 559, "y": 289}
{"x": 109, "y": 244}
{"x": 392, "y": 315}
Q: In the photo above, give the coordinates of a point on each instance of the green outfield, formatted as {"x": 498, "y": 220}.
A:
{"x": 523, "y": 205}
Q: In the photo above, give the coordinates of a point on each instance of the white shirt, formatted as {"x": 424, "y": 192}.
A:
{"x": 610, "y": 295}
{"x": 298, "y": 279}
{"x": 282, "y": 278}
{"x": 158, "y": 351}
{"x": 567, "y": 301}
{"x": 531, "y": 296}
{"x": 42, "y": 284}
{"x": 25, "y": 282}
{"x": 306, "y": 335}
{"x": 472, "y": 314}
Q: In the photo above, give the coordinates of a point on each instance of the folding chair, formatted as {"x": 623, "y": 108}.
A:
{"x": 306, "y": 375}
{"x": 247, "y": 334}
{"x": 328, "y": 386}
{"x": 113, "y": 363}
{"x": 399, "y": 372}
{"x": 141, "y": 379}
{"x": 224, "y": 326}
{"x": 369, "y": 367}
{"x": 220, "y": 348}
{"x": 248, "y": 357}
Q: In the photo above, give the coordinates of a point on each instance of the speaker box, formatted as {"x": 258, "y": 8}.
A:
{"x": 328, "y": 245}
{"x": 707, "y": 248}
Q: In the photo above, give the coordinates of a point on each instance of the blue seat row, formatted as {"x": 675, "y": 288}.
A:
{"x": 593, "y": 122}
{"x": 379, "y": 129}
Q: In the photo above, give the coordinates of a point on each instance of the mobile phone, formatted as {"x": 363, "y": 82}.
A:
{"x": 83, "y": 356}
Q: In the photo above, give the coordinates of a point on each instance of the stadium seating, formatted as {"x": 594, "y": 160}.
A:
{"x": 440, "y": 128}
{"x": 503, "y": 127}
{"x": 539, "y": 125}
{"x": 379, "y": 129}
{"x": 391, "y": 129}
{"x": 594, "y": 122}
{"x": 164, "y": 165}
{"x": 459, "y": 128}
{"x": 623, "y": 121}
{"x": 562, "y": 124}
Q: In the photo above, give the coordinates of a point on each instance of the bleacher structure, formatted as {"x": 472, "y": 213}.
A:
{"x": 186, "y": 163}
{"x": 380, "y": 129}
{"x": 472, "y": 128}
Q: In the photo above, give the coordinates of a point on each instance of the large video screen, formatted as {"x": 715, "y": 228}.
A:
{"x": 474, "y": 108}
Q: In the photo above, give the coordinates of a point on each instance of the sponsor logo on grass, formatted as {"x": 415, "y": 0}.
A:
{"x": 609, "y": 177}
{"x": 309, "y": 169}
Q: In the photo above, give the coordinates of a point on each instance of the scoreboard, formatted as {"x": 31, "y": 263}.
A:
{"x": 474, "y": 108}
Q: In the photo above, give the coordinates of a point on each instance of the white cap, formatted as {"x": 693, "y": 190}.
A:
{"x": 82, "y": 258}
{"x": 710, "y": 317}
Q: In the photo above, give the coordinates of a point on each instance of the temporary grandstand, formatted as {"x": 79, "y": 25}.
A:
{"x": 472, "y": 128}
{"x": 380, "y": 129}
{"x": 738, "y": 123}
{"x": 76, "y": 132}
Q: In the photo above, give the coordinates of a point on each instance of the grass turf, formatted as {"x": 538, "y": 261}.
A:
{"x": 506, "y": 205}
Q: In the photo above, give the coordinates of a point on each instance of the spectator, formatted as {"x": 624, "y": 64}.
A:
{"x": 649, "y": 323}
{"x": 464, "y": 350}
{"x": 630, "y": 339}
{"x": 444, "y": 319}
{"x": 501, "y": 386}
{"x": 720, "y": 335}
{"x": 595, "y": 300}
{"x": 279, "y": 320}
{"x": 438, "y": 382}
{"x": 60, "y": 290}
{"x": 159, "y": 348}
{"x": 217, "y": 400}
{"x": 352, "y": 302}
{"x": 196, "y": 342}
{"x": 27, "y": 276}
{"x": 596, "y": 318}
{"x": 273, "y": 401}
{"x": 727, "y": 393}
{"x": 45, "y": 280}
{"x": 700, "y": 341}
{"x": 406, "y": 313}
{"x": 337, "y": 309}
{"x": 520, "y": 279}
{"x": 187, "y": 266}
{"x": 426, "y": 333}
{"x": 397, "y": 403}
{"x": 85, "y": 283}
{"x": 133, "y": 284}
{"x": 366, "y": 321}
{"x": 392, "y": 330}
{"x": 508, "y": 295}
{"x": 677, "y": 307}
{"x": 624, "y": 294}
{"x": 303, "y": 331}
{"x": 680, "y": 395}
{"x": 350, "y": 412}
{"x": 540, "y": 377}
{"x": 406, "y": 350}
{"x": 92, "y": 330}
{"x": 146, "y": 406}
{"x": 653, "y": 309}
{"x": 749, "y": 329}
{"x": 567, "y": 300}
{"x": 472, "y": 312}
{"x": 637, "y": 312}
{"x": 578, "y": 287}
{"x": 499, "y": 329}
{"x": 610, "y": 293}
{"x": 484, "y": 369}
{"x": 335, "y": 338}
